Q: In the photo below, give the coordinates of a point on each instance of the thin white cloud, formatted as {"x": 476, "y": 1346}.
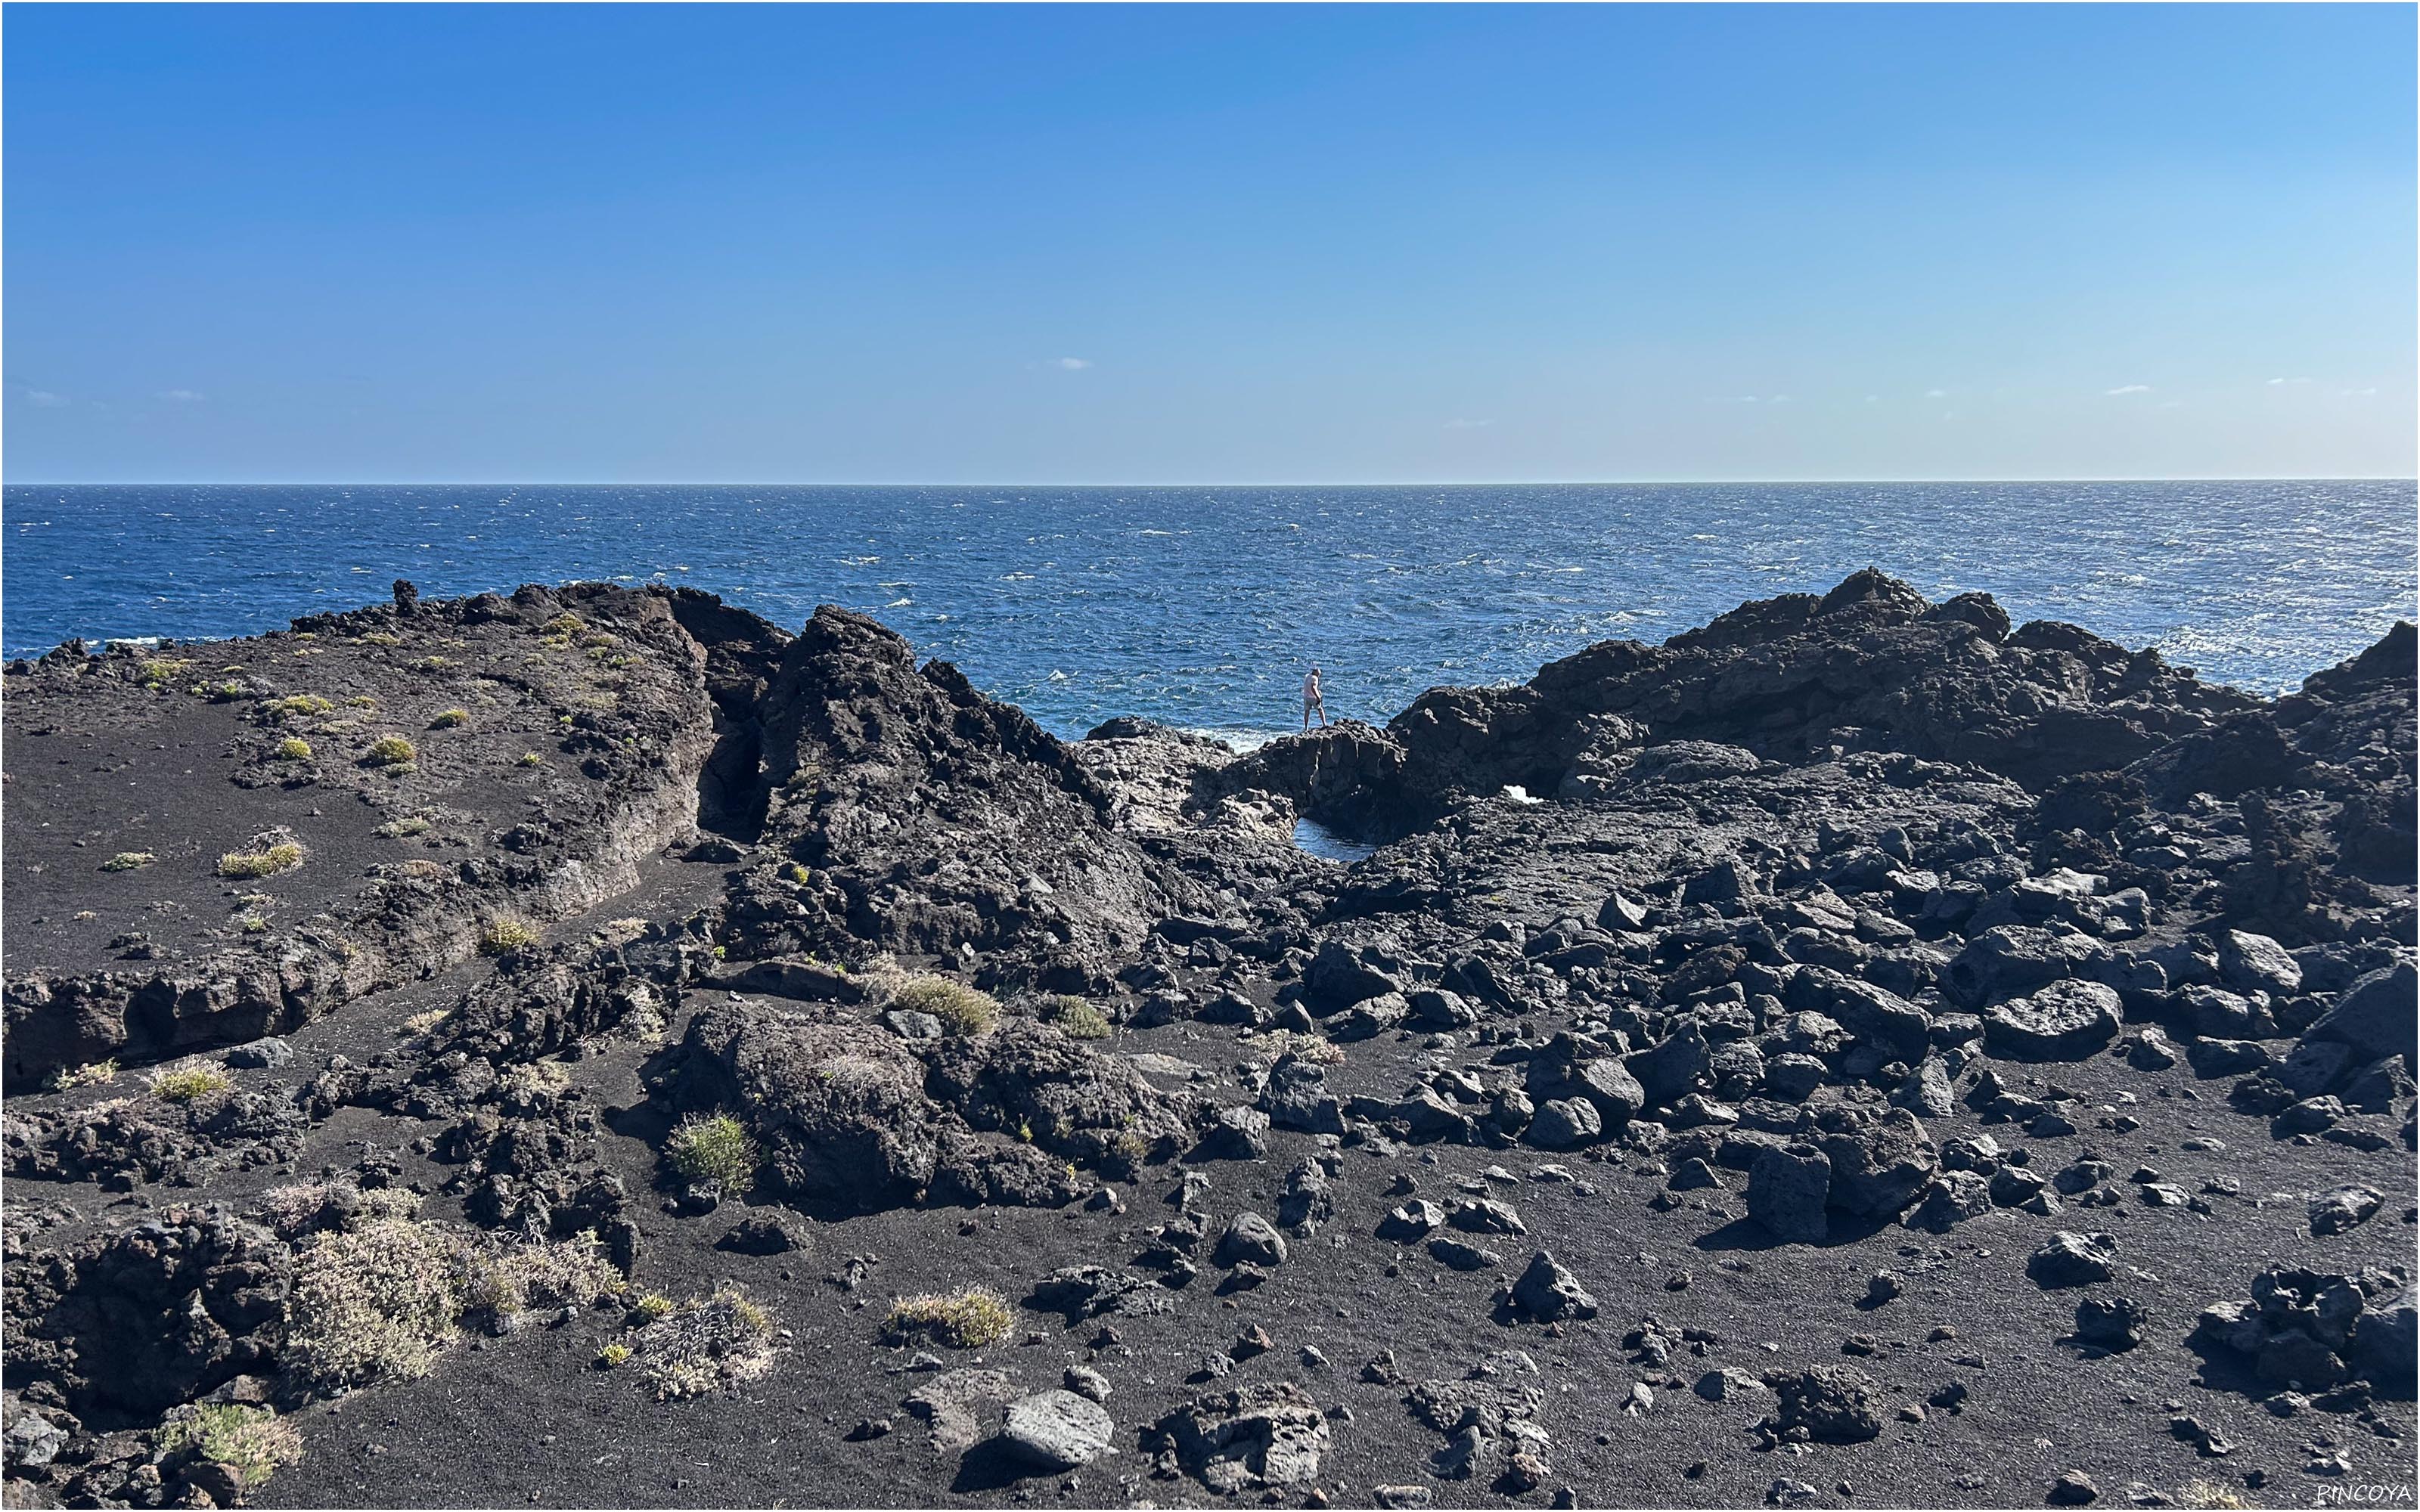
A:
{"x": 2275, "y": 382}
{"x": 181, "y": 396}
{"x": 2128, "y": 388}
{"x": 1937, "y": 393}
{"x": 44, "y": 398}
{"x": 1072, "y": 365}
{"x": 1458, "y": 423}
{"x": 1728, "y": 398}
{"x": 2359, "y": 393}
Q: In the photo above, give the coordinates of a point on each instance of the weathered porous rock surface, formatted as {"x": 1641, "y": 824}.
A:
{"x": 682, "y": 1061}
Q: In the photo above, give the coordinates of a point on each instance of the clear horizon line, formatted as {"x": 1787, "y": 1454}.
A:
{"x": 1415, "y": 482}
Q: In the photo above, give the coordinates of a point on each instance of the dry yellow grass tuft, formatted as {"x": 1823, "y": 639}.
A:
{"x": 282, "y": 856}
{"x": 961, "y": 1009}
{"x": 966, "y": 1319}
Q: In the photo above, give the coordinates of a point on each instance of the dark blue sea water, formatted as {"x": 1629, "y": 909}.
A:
{"x": 1204, "y": 606}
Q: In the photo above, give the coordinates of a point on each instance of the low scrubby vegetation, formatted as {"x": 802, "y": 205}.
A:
{"x": 503, "y": 934}
{"x": 1276, "y": 1044}
{"x": 713, "y": 1148}
{"x": 267, "y": 862}
{"x": 189, "y": 1081}
{"x": 128, "y": 860}
{"x": 966, "y": 1319}
{"x": 450, "y": 718}
{"x": 250, "y": 1442}
{"x": 311, "y": 1207}
{"x": 386, "y": 1299}
{"x": 401, "y": 828}
{"x": 961, "y": 1009}
{"x": 1076, "y": 1018}
{"x": 704, "y": 1344}
{"x": 424, "y": 1020}
{"x": 390, "y": 750}
{"x": 299, "y": 706}
{"x": 99, "y": 1073}
{"x": 293, "y": 749}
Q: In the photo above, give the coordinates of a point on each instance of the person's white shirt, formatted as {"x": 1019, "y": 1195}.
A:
{"x": 1311, "y": 688}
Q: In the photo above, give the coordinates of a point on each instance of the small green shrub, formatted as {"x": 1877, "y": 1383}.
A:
{"x": 450, "y": 718}
{"x": 390, "y": 750}
{"x": 381, "y": 638}
{"x": 433, "y": 664}
{"x": 1124, "y": 1152}
{"x": 613, "y": 1356}
{"x": 503, "y": 934}
{"x": 361, "y": 701}
{"x": 529, "y": 757}
{"x": 163, "y": 670}
{"x": 251, "y": 923}
{"x": 299, "y": 706}
{"x": 793, "y": 872}
{"x": 714, "y": 1149}
{"x": 966, "y": 1319}
{"x": 293, "y": 749}
{"x": 1078, "y": 1019}
{"x": 252, "y": 1442}
{"x": 128, "y": 860}
{"x": 189, "y": 1081}
{"x": 961, "y": 1009}
{"x": 99, "y": 1073}
{"x": 648, "y": 1308}
{"x": 402, "y": 828}
{"x": 565, "y": 623}
{"x": 282, "y": 856}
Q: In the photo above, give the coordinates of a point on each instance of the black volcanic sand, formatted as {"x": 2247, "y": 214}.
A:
{"x": 1852, "y": 828}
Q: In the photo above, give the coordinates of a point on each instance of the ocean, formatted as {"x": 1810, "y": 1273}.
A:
{"x": 1204, "y": 606}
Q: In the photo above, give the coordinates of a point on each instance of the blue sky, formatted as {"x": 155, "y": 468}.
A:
{"x": 1201, "y": 245}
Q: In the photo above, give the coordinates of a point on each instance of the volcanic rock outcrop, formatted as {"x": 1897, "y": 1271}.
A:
{"x": 474, "y": 1039}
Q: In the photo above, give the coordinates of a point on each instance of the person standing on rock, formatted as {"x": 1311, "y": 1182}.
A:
{"x": 1311, "y": 702}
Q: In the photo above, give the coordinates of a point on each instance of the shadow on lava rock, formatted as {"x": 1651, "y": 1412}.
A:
{"x": 1748, "y": 1234}
{"x": 991, "y": 1466}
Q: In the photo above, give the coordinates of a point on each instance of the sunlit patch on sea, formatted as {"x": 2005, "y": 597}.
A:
{"x": 1202, "y": 608}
